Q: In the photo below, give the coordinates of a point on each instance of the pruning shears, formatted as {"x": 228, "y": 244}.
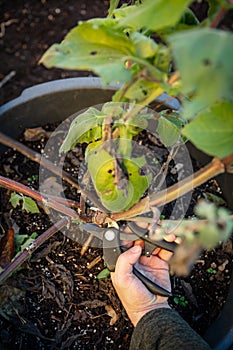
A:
{"x": 111, "y": 238}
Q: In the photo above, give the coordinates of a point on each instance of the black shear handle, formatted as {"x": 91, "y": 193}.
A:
{"x": 112, "y": 250}
{"x": 151, "y": 286}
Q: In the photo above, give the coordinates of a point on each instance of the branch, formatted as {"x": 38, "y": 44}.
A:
{"x": 37, "y": 157}
{"x": 218, "y": 17}
{"x": 214, "y": 168}
{"x": 19, "y": 260}
{"x": 16, "y": 186}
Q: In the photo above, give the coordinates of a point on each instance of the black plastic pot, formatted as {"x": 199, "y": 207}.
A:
{"x": 55, "y": 101}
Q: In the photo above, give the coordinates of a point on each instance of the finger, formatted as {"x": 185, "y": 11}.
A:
{"x": 165, "y": 255}
{"x": 139, "y": 242}
{"x": 124, "y": 265}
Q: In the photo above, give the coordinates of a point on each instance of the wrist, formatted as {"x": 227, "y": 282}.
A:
{"x": 136, "y": 316}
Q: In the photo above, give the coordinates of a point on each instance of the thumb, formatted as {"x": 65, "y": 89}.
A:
{"x": 126, "y": 260}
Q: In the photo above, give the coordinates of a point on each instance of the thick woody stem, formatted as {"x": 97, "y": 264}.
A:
{"x": 214, "y": 168}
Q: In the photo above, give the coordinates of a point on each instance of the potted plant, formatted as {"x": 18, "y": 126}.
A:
{"x": 123, "y": 49}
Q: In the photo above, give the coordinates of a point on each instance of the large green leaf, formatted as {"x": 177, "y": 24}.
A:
{"x": 204, "y": 60}
{"x": 212, "y": 130}
{"x": 156, "y": 14}
{"x": 86, "y": 127}
{"x": 122, "y": 195}
{"x": 95, "y": 45}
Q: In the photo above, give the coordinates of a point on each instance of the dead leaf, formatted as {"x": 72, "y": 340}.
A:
{"x": 112, "y": 313}
{"x": 92, "y": 304}
{"x": 51, "y": 187}
{"x": 184, "y": 257}
{"x": 35, "y": 134}
{"x": 8, "y": 248}
{"x": 11, "y": 301}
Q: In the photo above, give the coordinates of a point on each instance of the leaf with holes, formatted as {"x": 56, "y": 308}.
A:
{"x": 95, "y": 45}
{"x": 118, "y": 186}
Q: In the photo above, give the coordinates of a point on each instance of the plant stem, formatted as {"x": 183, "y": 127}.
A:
{"x": 153, "y": 70}
{"x": 38, "y": 158}
{"x": 214, "y": 168}
{"x": 218, "y": 17}
{"x": 18, "y": 187}
{"x": 19, "y": 260}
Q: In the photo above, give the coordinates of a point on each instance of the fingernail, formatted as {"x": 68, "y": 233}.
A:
{"x": 135, "y": 249}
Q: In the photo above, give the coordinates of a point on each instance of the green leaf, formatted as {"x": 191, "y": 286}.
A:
{"x": 120, "y": 195}
{"x": 156, "y": 14}
{"x": 168, "y": 131}
{"x": 86, "y": 127}
{"x": 112, "y": 7}
{"x": 204, "y": 60}
{"x": 105, "y": 273}
{"x": 30, "y": 205}
{"x": 211, "y": 131}
{"x": 142, "y": 89}
{"x": 95, "y": 45}
{"x": 23, "y": 241}
{"x": 15, "y": 199}
{"x": 145, "y": 47}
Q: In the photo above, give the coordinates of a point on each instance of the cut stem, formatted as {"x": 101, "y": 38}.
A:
{"x": 214, "y": 168}
{"x": 19, "y": 260}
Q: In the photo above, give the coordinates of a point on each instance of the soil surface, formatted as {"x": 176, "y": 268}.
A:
{"x": 56, "y": 300}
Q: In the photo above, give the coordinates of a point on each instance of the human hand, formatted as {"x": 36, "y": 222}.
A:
{"x": 135, "y": 297}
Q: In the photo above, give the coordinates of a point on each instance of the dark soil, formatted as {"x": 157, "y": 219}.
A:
{"x": 59, "y": 302}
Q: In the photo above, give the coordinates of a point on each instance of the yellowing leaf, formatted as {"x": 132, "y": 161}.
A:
{"x": 117, "y": 192}
{"x": 95, "y": 45}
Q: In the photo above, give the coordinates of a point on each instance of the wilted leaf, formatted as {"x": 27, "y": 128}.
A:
{"x": 11, "y": 301}
{"x": 8, "y": 248}
{"x": 35, "y": 134}
{"x": 112, "y": 313}
{"x": 51, "y": 186}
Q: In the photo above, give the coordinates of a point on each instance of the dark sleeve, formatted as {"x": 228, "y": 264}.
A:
{"x": 164, "y": 329}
